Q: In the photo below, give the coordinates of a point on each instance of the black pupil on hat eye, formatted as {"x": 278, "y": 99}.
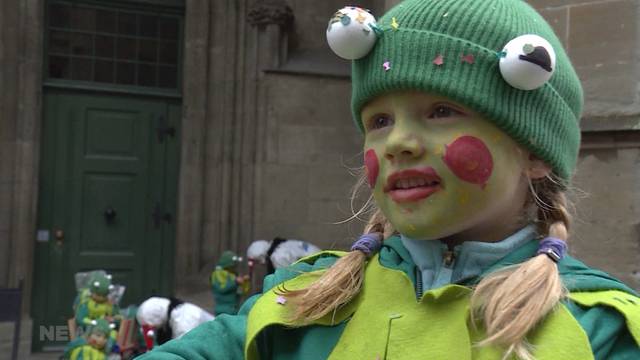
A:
{"x": 539, "y": 56}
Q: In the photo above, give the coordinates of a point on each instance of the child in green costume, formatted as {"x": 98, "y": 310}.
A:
{"x": 96, "y": 344}
{"x": 470, "y": 112}
{"x": 97, "y": 304}
{"x": 227, "y": 287}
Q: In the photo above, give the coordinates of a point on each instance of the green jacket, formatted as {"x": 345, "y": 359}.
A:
{"x": 604, "y": 324}
{"x": 89, "y": 310}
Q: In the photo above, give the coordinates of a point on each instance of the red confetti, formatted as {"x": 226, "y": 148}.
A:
{"x": 439, "y": 60}
{"x": 470, "y": 59}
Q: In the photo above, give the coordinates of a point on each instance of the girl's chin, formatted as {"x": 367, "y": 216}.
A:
{"x": 425, "y": 232}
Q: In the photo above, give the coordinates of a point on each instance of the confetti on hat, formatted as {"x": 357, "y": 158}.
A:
{"x": 394, "y": 23}
{"x": 469, "y": 59}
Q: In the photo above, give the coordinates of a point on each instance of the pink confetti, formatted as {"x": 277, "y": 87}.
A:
{"x": 470, "y": 59}
{"x": 387, "y": 65}
{"x": 281, "y": 300}
{"x": 439, "y": 60}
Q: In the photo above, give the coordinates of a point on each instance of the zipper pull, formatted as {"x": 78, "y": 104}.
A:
{"x": 448, "y": 257}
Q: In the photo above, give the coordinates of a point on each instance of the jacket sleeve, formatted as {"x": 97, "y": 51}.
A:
{"x": 607, "y": 330}
{"x": 220, "y": 339}
{"x": 224, "y": 337}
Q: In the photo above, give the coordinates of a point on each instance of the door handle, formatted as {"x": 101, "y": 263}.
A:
{"x": 163, "y": 129}
{"x": 110, "y": 215}
{"x": 158, "y": 216}
{"x": 59, "y": 235}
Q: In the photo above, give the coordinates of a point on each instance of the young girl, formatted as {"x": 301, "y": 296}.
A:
{"x": 470, "y": 112}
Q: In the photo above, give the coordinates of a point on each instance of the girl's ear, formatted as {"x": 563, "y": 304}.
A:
{"x": 536, "y": 168}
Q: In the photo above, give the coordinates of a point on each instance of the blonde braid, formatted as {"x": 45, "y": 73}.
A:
{"x": 339, "y": 284}
{"x": 512, "y": 301}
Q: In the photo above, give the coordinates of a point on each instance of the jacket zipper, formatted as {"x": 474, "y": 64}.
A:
{"x": 448, "y": 258}
{"x": 418, "y": 283}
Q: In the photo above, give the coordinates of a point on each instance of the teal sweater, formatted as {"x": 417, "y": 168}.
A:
{"x": 224, "y": 337}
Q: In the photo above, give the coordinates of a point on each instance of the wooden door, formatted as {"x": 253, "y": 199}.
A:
{"x": 107, "y": 199}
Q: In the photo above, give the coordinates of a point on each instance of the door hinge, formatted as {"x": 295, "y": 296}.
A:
{"x": 163, "y": 129}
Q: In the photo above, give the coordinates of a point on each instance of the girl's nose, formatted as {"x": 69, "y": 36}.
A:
{"x": 402, "y": 144}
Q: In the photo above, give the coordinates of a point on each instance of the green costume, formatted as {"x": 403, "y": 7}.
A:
{"x": 225, "y": 291}
{"x": 600, "y": 320}
{"x": 88, "y": 309}
{"x": 224, "y": 285}
{"x": 81, "y": 349}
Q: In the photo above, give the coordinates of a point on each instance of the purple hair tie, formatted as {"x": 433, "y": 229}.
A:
{"x": 553, "y": 247}
{"x": 369, "y": 244}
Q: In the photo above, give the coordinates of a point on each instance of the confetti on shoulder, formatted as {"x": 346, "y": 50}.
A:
{"x": 386, "y": 65}
{"x": 394, "y": 23}
{"x": 281, "y": 300}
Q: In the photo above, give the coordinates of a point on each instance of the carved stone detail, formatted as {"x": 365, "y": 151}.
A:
{"x": 270, "y": 13}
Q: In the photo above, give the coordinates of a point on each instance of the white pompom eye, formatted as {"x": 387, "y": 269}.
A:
{"x": 527, "y": 62}
{"x": 351, "y": 33}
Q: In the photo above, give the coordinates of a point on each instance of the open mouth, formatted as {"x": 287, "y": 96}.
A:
{"x": 413, "y": 184}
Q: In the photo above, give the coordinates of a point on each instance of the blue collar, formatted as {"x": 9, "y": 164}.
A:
{"x": 470, "y": 258}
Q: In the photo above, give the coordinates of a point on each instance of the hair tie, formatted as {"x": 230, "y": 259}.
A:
{"x": 369, "y": 243}
{"x": 553, "y": 247}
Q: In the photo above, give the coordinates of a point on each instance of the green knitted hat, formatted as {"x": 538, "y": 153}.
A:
{"x": 228, "y": 259}
{"x": 426, "y": 45}
{"x": 100, "y": 284}
{"x": 100, "y": 326}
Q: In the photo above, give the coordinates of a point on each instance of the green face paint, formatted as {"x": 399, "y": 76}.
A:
{"x": 442, "y": 169}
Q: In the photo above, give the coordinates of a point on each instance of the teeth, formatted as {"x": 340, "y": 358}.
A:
{"x": 414, "y": 182}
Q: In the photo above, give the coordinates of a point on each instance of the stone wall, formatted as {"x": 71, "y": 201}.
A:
{"x": 20, "y": 98}
{"x": 311, "y": 143}
{"x": 311, "y": 147}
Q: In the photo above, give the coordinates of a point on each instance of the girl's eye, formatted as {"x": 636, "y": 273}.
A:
{"x": 443, "y": 111}
{"x": 379, "y": 121}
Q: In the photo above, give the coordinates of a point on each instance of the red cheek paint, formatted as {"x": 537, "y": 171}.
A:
{"x": 371, "y": 167}
{"x": 469, "y": 159}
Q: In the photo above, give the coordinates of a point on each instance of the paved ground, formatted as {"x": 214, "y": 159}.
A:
{"x": 43, "y": 356}
{"x": 199, "y": 297}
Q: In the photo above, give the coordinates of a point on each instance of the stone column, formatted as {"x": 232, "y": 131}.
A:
{"x": 228, "y": 44}
{"x": 21, "y": 29}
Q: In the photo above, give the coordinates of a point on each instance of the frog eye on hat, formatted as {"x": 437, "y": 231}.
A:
{"x": 351, "y": 33}
{"x": 527, "y": 62}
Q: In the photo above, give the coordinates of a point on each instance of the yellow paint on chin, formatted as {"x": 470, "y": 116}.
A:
{"x": 463, "y": 198}
{"x": 412, "y": 227}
